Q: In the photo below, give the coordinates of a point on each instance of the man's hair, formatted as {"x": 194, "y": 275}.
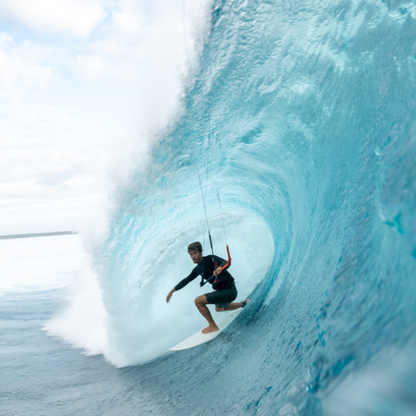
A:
{"x": 197, "y": 246}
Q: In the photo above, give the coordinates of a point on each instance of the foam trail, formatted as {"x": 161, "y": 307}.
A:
{"x": 83, "y": 322}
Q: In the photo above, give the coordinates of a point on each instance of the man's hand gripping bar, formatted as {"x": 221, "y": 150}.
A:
{"x": 222, "y": 268}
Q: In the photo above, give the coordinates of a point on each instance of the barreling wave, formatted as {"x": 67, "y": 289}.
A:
{"x": 302, "y": 113}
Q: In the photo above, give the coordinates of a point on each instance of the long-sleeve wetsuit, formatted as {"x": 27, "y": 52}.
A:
{"x": 206, "y": 269}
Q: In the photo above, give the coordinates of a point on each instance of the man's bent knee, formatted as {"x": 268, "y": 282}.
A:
{"x": 201, "y": 300}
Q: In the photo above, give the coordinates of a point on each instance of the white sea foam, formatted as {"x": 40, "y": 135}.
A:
{"x": 168, "y": 56}
{"x": 83, "y": 322}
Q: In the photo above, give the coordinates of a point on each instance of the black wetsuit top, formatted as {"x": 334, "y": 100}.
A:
{"x": 206, "y": 269}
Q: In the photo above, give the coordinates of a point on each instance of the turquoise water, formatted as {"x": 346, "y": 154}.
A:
{"x": 302, "y": 114}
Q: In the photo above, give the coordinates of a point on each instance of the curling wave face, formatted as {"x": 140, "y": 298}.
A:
{"x": 304, "y": 113}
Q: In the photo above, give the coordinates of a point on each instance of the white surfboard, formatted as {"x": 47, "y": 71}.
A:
{"x": 200, "y": 338}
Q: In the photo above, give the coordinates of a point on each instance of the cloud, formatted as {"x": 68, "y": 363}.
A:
{"x": 44, "y": 147}
{"x": 21, "y": 65}
{"x": 76, "y": 110}
{"x": 69, "y": 17}
{"x": 129, "y": 18}
{"x": 89, "y": 67}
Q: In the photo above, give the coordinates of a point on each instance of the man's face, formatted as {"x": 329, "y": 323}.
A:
{"x": 196, "y": 256}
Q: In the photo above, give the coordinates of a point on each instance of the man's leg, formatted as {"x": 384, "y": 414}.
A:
{"x": 201, "y": 303}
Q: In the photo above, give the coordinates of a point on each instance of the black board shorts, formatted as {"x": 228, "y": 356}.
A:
{"x": 221, "y": 298}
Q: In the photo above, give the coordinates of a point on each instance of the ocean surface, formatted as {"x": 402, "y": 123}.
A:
{"x": 302, "y": 114}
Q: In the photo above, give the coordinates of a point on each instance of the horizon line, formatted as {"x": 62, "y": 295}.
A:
{"x": 29, "y": 235}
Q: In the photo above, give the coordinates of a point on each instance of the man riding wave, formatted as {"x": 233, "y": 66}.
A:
{"x": 210, "y": 269}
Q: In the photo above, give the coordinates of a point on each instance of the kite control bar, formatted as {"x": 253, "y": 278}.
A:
{"x": 229, "y": 259}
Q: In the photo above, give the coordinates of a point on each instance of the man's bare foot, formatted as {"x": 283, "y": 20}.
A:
{"x": 210, "y": 329}
{"x": 243, "y": 304}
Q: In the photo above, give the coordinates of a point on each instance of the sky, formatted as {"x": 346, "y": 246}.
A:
{"x": 86, "y": 88}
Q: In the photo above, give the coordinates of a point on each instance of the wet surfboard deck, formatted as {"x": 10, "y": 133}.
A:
{"x": 200, "y": 338}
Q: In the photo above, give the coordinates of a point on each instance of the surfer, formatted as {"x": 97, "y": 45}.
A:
{"x": 210, "y": 269}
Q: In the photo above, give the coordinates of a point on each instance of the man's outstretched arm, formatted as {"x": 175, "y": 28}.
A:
{"x": 182, "y": 284}
{"x": 170, "y": 295}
